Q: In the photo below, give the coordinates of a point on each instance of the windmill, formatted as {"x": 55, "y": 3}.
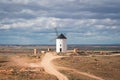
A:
{"x": 61, "y": 42}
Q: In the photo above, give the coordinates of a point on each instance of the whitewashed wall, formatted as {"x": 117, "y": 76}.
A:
{"x": 63, "y": 43}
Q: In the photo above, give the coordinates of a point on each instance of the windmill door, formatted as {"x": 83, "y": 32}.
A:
{"x": 60, "y": 49}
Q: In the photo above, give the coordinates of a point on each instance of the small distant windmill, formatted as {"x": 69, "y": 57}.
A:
{"x": 61, "y": 42}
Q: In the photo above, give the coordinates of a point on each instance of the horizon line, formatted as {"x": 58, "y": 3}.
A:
{"x": 55, "y": 44}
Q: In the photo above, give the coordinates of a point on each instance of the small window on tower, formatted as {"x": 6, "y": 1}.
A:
{"x": 60, "y": 44}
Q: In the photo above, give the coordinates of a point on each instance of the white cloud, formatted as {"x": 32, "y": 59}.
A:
{"x": 100, "y": 26}
{"x": 88, "y": 19}
{"x": 38, "y": 23}
{"x": 114, "y": 27}
{"x": 89, "y": 34}
{"x": 4, "y": 27}
{"x": 15, "y": 1}
{"x": 28, "y": 11}
{"x": 51, "y": 22}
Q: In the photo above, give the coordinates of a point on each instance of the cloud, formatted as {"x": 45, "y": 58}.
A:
{"x": 66, "y": 25}
{"x": 81, "y": 18}
{"x": 60, "y": 8}
{"x": 15, "y": 1}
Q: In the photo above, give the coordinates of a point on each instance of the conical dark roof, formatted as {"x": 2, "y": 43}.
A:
{"x": 61, "y": 36}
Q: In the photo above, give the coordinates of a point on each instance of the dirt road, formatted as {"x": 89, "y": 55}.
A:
{"x": 50, "y": 68}
{"x": 81, "y": 73}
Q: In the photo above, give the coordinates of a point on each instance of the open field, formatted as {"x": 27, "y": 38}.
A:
{"x": 22, "y": 67}
{"x": 19, "y": 63}
{"x": 106, "y": 67}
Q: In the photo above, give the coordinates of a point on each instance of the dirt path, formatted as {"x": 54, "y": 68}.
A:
{"x": 50, "y": 68}
{"x": 47, "y": 64}
{"x": 81, "y": 73}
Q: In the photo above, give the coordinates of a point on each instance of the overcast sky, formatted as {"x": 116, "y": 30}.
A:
{"x": 82, "y": 21}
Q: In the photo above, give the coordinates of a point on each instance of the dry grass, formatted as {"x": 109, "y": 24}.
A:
{"x": 11, "y": 70}
{"x": 75, "y": 76}
{"x": 15, "y": 65}
{"x": 107, "y": 67}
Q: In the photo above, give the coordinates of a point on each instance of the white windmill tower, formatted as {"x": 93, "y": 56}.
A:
{"x": 61, "y": 42}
